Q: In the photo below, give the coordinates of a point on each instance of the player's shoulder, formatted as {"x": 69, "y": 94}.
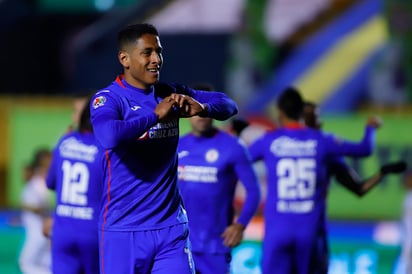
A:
{"x": 103, "y": 97}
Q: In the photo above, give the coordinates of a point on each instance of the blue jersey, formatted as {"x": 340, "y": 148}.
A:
{"x": 140, "y": 189}
{"x": 209, "y": 169}
{"x": 76, "y": 175}
{"x": 296, "y": 161}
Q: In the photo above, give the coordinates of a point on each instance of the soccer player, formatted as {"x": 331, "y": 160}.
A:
{"x": 35, "y": 256}
{"x": 211, "y": 163}
{"x": 78, "y": 104}
{"x": 346, "y": 176}
{"x": 76, "y": 176}
{"x": 143, "y": 223}
{"x": 294, "y": 157}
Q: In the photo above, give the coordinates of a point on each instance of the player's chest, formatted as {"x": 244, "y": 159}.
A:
{"x": 138, "y": 105}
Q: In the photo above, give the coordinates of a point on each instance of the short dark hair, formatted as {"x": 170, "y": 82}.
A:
{"x": 131, "y": 33}
{"x": 238, "y": 125}
{"x": 291, "y": 103}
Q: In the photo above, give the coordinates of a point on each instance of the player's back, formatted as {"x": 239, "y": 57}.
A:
{"x": 77, "y": 178}
{"x": 295, "y": 159}
{"x": 294, "y": 162}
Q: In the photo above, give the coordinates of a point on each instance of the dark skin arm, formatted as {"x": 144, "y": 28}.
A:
{"x": 350, "y": 179}
{"x": 233, "y": 235}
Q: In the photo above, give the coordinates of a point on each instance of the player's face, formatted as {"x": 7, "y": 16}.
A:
{"x": 201, "y": 125}
{"x": 78, "y": 105}
{"x": 142, "y": 61}
{"x": 311, "y": 117}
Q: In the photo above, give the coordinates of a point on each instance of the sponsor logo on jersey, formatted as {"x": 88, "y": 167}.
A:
{"x": 75, "y": 149}
{"x": 162, "y": 130}
{"x": 198, "y": 174}
{"x": 99, "y": 102}
{"x": 134, "y": 108}
{"x": 286, "y": 146}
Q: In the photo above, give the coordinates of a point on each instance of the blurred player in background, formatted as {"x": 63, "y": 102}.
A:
{"x": 79, "y": 101}
{"x": 211, "y": 162}
{"x": 143, "y": 221}
{"x": 76, "y": 176}
{"x": 294, "y": 156}
{"x": 237, "y": 125}
{"x": 345, "y": 175}
{"x": 35, "y": 202}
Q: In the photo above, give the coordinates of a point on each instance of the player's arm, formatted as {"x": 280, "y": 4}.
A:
{"x": 213, "y": 104}
{"x": 243, "y": 167}
{"x": 35, "y": 209}
{"x": 350, "y": 179}
{"x": 364, "y": 148}
{"x": 255, "y": 149}
{"x": 109, "y": 126}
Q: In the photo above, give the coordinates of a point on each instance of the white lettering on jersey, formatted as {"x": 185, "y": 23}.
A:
{"x": 286, "y": 146}
{"x": 84, "y": 213}
{"x": 198, "y": 174}
{"x": 296, "y": 184}
{"x": 75, "y": 149}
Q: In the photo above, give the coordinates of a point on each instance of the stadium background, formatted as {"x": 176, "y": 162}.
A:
{"x": 337, "y": 54}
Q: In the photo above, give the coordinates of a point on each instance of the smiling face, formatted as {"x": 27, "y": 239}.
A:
{"x": 142, "y": 61}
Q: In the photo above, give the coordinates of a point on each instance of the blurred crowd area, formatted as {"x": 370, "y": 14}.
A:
{"x": 55, "y": 47}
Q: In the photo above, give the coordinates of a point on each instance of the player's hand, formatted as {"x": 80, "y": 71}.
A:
{"x": 165, "y": 109}
{"x": 374, "y": 121}
{"x": 395, "y": 167}
{"x": 187, "y": 106}
{"x": 233, "y": 235}
{"x": 47, "y": 227}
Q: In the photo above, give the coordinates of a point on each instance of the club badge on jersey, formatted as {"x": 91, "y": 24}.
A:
{"x": 99, "y": 102}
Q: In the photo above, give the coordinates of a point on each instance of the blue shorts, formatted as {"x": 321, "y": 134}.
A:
{"x": 291, "y": 251}
{"x": 212, "y": 263}
{"x": 75, "y": 252}
{"x": 160, "y": 251}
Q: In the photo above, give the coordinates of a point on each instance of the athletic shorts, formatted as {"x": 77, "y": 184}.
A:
{"x": 159, "y": 251}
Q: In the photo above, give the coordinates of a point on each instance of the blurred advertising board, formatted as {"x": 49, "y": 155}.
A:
{"x": 355, "y": 247}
